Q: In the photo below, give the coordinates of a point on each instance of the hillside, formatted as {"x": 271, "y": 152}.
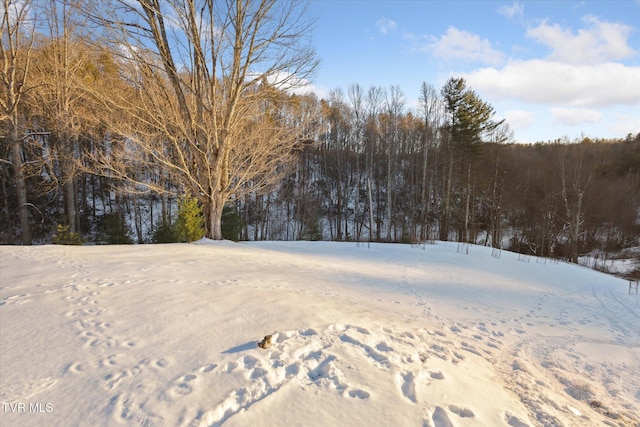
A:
{"x": 381, "y": 335}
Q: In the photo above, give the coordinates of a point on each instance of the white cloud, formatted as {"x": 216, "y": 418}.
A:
{"x": 575, "y": 116}
{"x": 625, "y": 124}
{"x": 519, "y": 119}
{"x": 384, "y": 25}
{"x": 458, "y": 44}
{"x": 547, "y": 82}
{"x": 601, "y": 41}
{"x": 516, "y": 10}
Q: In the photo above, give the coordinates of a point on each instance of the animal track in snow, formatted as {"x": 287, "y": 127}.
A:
{"x": 406, "y": 383}
{"x": 514, "y": 421}
{"x": 380, "y": 359}
{"x": 16, "y": 299}
{"x": 114, "y": 379}
{"x": 360, "y": 394}
{"x": 208, "y": 368}
{"x": 329, "y": 359}
{"x": 461, "y": 412}
{"x": 182, "y": 385}
{"x": 440, "y": 418}
{"x": 436, "y": 375}
{"x": 125, "y": 409}
{"x": 75, "y": 368}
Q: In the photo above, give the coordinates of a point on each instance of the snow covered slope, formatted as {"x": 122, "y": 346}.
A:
{"x": 362, "y": 336}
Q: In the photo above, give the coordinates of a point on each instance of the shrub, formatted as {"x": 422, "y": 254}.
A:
{"x": 115, "y": 229}
{"x": 190, "y": 224}
{"x": 312, "y": 230}
{"x": 166, "y": 232}
{"x": 231, "y": 224}
{"x": 63, "y": 236}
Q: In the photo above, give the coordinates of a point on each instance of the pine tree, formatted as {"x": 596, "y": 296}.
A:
{"x": 190, "y": 222}
{"x": 470, "y": 117}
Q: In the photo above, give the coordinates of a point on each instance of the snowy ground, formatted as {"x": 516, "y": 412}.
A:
{"x": 387, "y": 335}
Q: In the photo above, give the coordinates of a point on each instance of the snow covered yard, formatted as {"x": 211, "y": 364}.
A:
{"x": 382, "y": 335}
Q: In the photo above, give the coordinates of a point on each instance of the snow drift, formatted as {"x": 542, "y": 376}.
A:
{"x": 381, "y": 335}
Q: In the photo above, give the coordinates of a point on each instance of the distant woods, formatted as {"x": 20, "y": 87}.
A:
{"x": 389, "y": 174}
{"x": 102, "y": 136}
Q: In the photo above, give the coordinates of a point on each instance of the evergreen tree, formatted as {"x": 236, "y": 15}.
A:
{"x": 470, "y": 118}
{"x": 166, "y": 232}
{"x": 231, "y": 224}
{"x": 190, "y": 223}
{"x": 115, "y": 229}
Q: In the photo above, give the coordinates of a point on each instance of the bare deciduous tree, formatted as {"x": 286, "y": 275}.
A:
{"x": 18, "y": 31}
{"x": 62, "y": 66}
{"x": 209, "y": 78}
{"x": 578, "y": 166}
{"x": 432, "y": 113}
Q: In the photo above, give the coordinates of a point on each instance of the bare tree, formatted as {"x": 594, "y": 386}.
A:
{"x": 210, "y": 76}
{"x": 432, "y": 111}
{"x": 395, "y": 102}
{"x": 64, "y": 65}
{"x": 578, "y": 166}
{"x": 375, "y": 96}
{"x": 18, "y": 29}
{"x": 356, "y": 99}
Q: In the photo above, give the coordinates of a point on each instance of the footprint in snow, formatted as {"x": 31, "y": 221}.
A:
{"x": 406, "y": 383}
{"x": 378, "y": 358}
{"x": 160, "y": 363}
{"x": 108, "y": 361}
{"x": 440, "y": 418}
{"x": 461, "y": 412}
{"x": 514, "y": 421}
{"x": 230, "y": 367}
{"x": 307, "y": 332}
{"x": 249, "y": 362}
{"x": 436, "y": 375}
{"x": 383, "y": 347}
{"x": 182, "y": 385}
{"x": 74, "y": 368}
{"x": 208, "y": 368}
{"x": 359, "y": 394}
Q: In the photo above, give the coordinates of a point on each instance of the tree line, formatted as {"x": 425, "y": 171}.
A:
{"x": 114, "y": 111}
{"x": 394, "y": 175}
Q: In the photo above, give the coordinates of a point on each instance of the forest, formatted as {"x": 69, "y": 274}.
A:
{"x": 114, "y": 133}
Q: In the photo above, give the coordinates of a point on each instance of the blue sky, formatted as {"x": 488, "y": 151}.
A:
{"x": 553, "y": 69}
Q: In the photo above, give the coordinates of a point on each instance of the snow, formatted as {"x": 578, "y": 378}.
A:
{"x": 363, "y": 335}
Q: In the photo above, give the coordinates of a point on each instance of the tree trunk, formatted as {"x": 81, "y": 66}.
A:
{"x": 467, "y": 209}
{"x": 444, "y": 224}
{"x": 370, "y": 209}
{"x": 574, "y": 228}
{"x": 70, "y": 199}
{"x": 21, "y": 187}
{"x": 5, "y": 200}
{"x": 423, "y": 195}
{"x": 214, "y": 220}
{"x": 391, "y": 145}
{"x": 137, "y": 216}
